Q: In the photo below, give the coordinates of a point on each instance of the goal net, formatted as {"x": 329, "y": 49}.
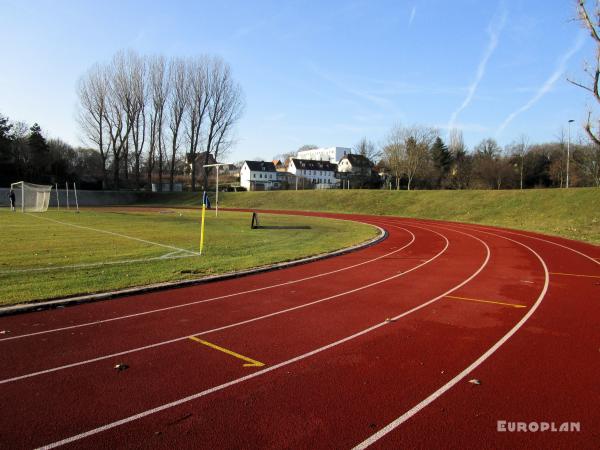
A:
{"x": 33, "y": 197}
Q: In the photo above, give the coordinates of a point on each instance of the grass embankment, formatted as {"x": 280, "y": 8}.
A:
{"x": 571, "y": 213}
{"x": 42, "y": 259}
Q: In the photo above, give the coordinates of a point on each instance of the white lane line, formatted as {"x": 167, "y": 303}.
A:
{"x": 112, "y": 233}
{"x": 270, "y": 368}
{"x": 99, "y": 264}
{"x": 435, "y": 395}
{"x": 224, "y": 327}
{"x": 212, "y": 299}
{"x": 500, "y": 230}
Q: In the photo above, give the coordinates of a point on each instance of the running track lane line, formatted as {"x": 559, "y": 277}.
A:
{"x": 112, "y": 233}
{"x": 271, "y": 368}
{"x": 212, "y": 299}
{"x": 236, "y": 324}
{"x": 424, "y": 403}
{"x": 475, "y": 227}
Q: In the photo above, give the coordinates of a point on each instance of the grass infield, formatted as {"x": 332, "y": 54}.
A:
{"x": 58, "y": 254}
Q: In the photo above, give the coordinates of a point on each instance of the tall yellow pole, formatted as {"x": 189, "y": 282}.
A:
{"x": 202, "y": 228}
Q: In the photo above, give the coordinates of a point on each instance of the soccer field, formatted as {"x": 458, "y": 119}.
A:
{"x": 62, "y": 253}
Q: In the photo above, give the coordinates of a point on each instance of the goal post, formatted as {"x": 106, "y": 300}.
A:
{"x": 34, "y": 197}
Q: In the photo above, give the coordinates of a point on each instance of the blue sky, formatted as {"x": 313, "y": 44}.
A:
{"x": 322, "y": 72}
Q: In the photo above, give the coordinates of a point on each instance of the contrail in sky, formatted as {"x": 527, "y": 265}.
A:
{"x": 547, "y": 86}
{"x": 493, "y": 30}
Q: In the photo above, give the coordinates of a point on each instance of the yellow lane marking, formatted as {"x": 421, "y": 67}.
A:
{"x": 575, "y": 275}
{"x": 251, "y": 362}
{"x": 514, "y": 305}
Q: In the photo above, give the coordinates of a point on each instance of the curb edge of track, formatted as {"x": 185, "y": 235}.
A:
{"x": 72, "y": 301}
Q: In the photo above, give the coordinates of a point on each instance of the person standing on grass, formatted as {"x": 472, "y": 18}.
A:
{"x": 13, "y": 199}
{"x": 206, "y": 200}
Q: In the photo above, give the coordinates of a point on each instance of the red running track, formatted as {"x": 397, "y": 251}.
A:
{"x": 372, "y": 348}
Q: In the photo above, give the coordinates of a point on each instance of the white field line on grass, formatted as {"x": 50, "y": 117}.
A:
{"x": 435, "y": 395}
{"x": 170, "y": 254}
{"x": 99, "y": 264}
{"x": 220, "y": 297}
{"x": 281, "y": 364}
{"x": 225, "y": 327}
{"x": 112, "y": 233}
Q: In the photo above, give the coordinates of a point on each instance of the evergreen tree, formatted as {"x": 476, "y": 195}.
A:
{"x": 5, "y": 138}
{"x": 40, "y": 155}
{"x": 442, "y": 159}
{"x": 7, "y": 163}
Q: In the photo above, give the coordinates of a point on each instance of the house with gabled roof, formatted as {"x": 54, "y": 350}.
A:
{"x": 321, "y": 174}
{"x": 355, "y": 164}
{"x": 259, "y": 176}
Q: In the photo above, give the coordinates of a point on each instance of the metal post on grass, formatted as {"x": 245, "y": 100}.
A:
{"x": 57, "y": 198}
{"x": 217, "y": 188}
{"x": 202, "y": 228}
{"x": 67, "y": 189}
{"x": 569, "y": 150}
{"x": 76, "y": 202}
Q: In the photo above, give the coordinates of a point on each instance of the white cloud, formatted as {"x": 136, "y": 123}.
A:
{"x": 548, "y": 85}
{"x": 493, "y": 30}
{"x": 413, "y": 12}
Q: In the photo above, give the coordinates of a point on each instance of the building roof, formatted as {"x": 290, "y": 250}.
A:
{"x": 200, "y": 158}
{"x": 310, "y": 164}
{"x": 230, "y": 167}
{"x": 358, "y": 160}
{"x": 261, "y": 166}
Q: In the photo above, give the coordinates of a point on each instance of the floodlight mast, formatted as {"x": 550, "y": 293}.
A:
{"x": 217, "y": 187}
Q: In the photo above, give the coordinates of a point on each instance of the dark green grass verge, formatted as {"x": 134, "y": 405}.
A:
{"x": 31, "y": 241}
{"x": 570, "y": 213}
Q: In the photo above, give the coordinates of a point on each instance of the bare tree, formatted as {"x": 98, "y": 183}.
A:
{"x": 393, "y": 151}
{"x": 197, "y": 78}
{"x": 138, "y": 71}
{"x": 225, "y": 108}
{"x": 519, "y": 149}
{"x": 130, "y": 101}
{"x": 587, "y": 160}
{"x": 233, "y": 110}
{"x": 461, "y": 161}
{"x": 593, "y": 70}
{"x": 119, "y": 111}
{"x": 159, "y": 92}
{"x": 367, "y": 148}
{"x": 93, "y": 98}
{"x": 489, "y": 164}
{"x": 178, "y": 103}
{"x": 417, "y": 141}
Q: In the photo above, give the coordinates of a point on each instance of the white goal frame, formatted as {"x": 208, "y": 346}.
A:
{"x": 41, "y": 204}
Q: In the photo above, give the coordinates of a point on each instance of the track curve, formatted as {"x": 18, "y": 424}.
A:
{"x": 371, "y": 348}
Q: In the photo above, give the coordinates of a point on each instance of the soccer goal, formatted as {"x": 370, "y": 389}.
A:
{"x": 34, "y": 197}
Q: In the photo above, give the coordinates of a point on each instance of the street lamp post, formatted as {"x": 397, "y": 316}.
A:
{"x": 569, "y": 151}
{"x": 217, "y": 187}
